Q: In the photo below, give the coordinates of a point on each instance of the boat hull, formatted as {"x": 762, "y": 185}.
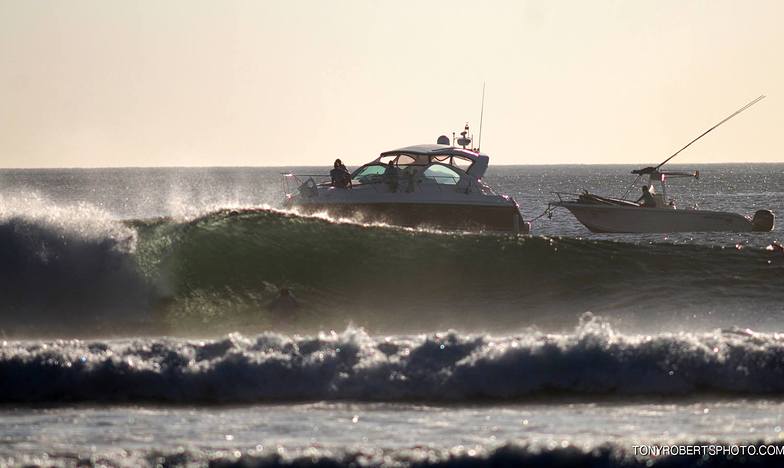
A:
{"x": 501, "y": 218}
{"x": 622, "y": 219}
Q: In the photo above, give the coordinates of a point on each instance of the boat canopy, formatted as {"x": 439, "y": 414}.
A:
{"x": 472, "y": 162}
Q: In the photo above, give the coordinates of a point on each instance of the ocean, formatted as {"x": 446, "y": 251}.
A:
{"x": 135, "y": 328}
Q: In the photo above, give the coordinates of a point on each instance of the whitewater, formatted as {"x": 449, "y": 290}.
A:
{"x": 135, "y": 328}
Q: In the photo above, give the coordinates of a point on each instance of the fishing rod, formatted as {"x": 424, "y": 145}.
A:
{"x": 481, "y": 118}
{"x": 648, "y": 170}
{"x": 712, "y": 128}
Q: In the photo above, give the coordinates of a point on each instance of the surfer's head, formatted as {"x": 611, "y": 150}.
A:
{"x": 338, "y": 163}
{"x": 645, "y": 188}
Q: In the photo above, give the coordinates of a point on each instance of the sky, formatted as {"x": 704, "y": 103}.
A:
{"x": 104, "y": 83}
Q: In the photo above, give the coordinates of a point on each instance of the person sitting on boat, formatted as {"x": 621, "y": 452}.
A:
{"x": 341, "y": 178}
{"x": 391, "y": 174}
{"x": 646, "y": 200}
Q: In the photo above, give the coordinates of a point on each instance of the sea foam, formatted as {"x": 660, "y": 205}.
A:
{"x": 593, "y": 362}
{"x": 512, "y": 455}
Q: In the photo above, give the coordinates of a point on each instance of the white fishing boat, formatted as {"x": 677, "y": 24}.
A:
{"x": 431, "y": 185}
{"x": 616, "y": 215}
{"x": 654, "y": 212}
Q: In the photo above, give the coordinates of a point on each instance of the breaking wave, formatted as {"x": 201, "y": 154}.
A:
{"x": 400, "y": 280}
{"x": 608, "y": 455}
{"x": 385, "y": 277}
{"x": 593, "y": 362}
{"x": 66, "y": 268}
{"x": 217, "y": 272}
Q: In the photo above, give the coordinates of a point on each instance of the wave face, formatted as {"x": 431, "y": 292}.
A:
{"x": 74, "y": 270}
{"x": 512, "y": 455}
{"x": 594, "y": 362}
{"x": 390, "y": 279}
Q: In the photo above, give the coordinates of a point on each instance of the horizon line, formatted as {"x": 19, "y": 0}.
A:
{"x": 328, "y": 165}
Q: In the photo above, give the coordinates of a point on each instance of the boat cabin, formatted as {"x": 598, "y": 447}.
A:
{"x": 446, "y": 165}
{"x": 655, "y": 176}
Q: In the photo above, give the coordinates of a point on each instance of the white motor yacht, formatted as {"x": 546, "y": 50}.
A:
{"x": 431, "y": 185}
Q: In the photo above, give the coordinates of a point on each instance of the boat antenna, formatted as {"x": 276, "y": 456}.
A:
{"x": 481, "y": 117}
{"x": 710, "y": 129}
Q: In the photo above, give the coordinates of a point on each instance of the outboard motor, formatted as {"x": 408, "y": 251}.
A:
{"x": 762, "y": 221}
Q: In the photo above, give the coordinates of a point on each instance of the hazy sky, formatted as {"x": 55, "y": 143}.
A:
{"x": 201, "y": 83}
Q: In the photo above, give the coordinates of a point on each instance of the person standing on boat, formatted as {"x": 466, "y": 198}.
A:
{"x": 341, "y": 178}
{"x": 646, "y": 200}
{"x": 391, "y": 175}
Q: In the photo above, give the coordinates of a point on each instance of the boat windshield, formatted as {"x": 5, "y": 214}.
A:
{"x": 441, "y": 174}
{"x": 454, "y": 160}
{"x": 438, "y": 173}
{"x": 368, "y": 174}
{"x": 404, "y": 159}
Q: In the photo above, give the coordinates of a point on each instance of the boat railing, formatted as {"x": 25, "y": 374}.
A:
{"x": 290, "y": 179}
{"x": 292, "y": 182}
{"x": 560, "y": 195}
{"x": 593, "y": 199}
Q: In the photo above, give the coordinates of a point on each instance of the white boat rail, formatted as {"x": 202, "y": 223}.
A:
{"x": 380, "y": 180}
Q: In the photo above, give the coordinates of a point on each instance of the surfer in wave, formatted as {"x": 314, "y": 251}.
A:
{"x": 284, "y": 307}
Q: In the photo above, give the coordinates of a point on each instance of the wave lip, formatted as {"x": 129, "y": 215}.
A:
{"x": 594, "y": 362}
